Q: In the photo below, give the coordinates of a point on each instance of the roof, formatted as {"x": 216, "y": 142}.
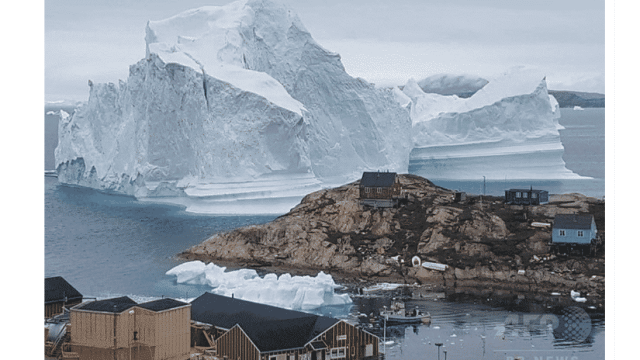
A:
{"x": 162, "y": 304}
{"x": 528, "y": 190}
{"x": 115, "y": 305}
{"x": 57, "y": 289}
{"x": 260, "y": 322}
{"x": 378, "y": 179}
{"x": 573, "y": 221}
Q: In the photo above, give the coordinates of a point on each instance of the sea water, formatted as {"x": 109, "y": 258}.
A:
{"x": 107, "y": 245}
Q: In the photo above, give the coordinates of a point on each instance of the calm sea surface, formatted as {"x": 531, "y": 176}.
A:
{"x": 107, "y": 245}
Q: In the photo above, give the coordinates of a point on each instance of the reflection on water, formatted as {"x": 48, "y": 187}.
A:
{"x": 478, "y": 331}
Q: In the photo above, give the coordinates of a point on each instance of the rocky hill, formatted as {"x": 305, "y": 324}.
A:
{"x": 482, "y": 241}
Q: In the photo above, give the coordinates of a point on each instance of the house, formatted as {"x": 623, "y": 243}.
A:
{"x": 459, "y": 196}
{"x": 59, "y": 294}
{"x": 247, "y": 330}
{"x": 573, "y": 230}
{"x": 380, "y": 189}
{"x": 526, "y": 196}
{"x": 120, "y": 328}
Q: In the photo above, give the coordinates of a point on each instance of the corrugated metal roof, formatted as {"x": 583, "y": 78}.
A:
{"x": 270, "y": 328}
{"x": 378, "y": 179}
{"x": 572, "y": 221}
{"x": 57, "y": 288}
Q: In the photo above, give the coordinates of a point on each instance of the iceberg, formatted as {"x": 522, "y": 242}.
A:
{"x": 238, "y": 97}
{"x": 508, "y": 128}
{"x": 448, "y": 84}
{"x": 291, "y": 292}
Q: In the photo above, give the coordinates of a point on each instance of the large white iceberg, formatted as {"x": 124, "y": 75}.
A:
{"x": 236, "y": 94}
{"x": 291, "y": 292}
{"x": 507, "y": 129}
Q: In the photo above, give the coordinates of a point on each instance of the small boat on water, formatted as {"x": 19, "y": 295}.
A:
{"x": 397, "y": 314}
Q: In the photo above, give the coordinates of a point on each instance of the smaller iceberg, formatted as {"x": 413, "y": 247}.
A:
{"x": 291, "y": 292}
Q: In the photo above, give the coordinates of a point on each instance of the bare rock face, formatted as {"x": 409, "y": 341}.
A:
{"x": 479, "y": 241}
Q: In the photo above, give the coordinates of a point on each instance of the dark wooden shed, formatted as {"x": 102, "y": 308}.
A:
{"x": 248, "y": 330}
{"x": 59, "y": 294}
{"x": 380, "y": 189}
{"x": 526, "y": 196}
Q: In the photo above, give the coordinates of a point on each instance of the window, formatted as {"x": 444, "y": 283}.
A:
{"x": 562, "y": 233}
{"x": 379, "y": 190}
{"x": 368, "y": 350}
{"x": 366, "y": 190}
{"x": 525, "y": 195}
{"x": 580, "y": 233}
{"x": 534, "y": 195}
{"x": 518, "y": 195}
{"x": 272, "y": 357}
{"x": 338, "y": 353}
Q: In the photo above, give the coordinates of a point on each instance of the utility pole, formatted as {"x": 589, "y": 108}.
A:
{"x": 438, "y": 345}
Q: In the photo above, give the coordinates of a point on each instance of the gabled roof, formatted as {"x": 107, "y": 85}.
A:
{"x": 120, "y": 304}
{"x": 57, "y": 288}
{"x": 378, "y": 179}
{"x": 162, "y": 304}
{"x": 115, "y": 305}
{"x": 270, "y": 328}
{"x": 572, "y": 221}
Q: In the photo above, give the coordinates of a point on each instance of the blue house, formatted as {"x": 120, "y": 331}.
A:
{"x": 573, "y": 229}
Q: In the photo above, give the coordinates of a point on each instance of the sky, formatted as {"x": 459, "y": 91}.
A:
{"x": 385, "y": 42}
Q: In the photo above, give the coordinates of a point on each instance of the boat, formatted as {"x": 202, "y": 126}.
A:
{"x": 397, "y": 314}
{"x": 381, "y": 287}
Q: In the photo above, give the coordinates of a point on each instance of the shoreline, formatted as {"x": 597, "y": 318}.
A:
{"x": 518, "y": 295}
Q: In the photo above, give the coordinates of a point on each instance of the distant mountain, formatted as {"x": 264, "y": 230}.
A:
{"x": 569, "y": 99}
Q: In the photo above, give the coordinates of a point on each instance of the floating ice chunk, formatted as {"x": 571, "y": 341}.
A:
{"x": 577, "y": 108}
{"x": 291, "y": 292}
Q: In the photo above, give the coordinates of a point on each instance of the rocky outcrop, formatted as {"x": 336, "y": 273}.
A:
{"x": 483, "y": 241}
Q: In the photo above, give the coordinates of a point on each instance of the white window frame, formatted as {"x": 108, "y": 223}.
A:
{"x": 518, "y": 194}
{"x": 379, "y": 190}
{"x": 525, "y": 195}
{"x": 339, "y": 352}
{"x": 534, "y": 195}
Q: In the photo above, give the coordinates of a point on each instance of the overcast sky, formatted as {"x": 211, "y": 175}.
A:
{"x": 383, "y": 41}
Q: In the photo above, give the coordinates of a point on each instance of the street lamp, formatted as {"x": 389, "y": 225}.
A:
{"x": 438, "y": 345}
{"x": 445, "y": 354}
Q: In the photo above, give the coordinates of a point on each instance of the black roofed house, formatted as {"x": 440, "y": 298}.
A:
{"x": 248, "y": 330}
{"x": 380, "y": 189}
{"x": 526, "y": 196}
{"x": 120, "y": 328}
{"x": 59, "y": 294}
